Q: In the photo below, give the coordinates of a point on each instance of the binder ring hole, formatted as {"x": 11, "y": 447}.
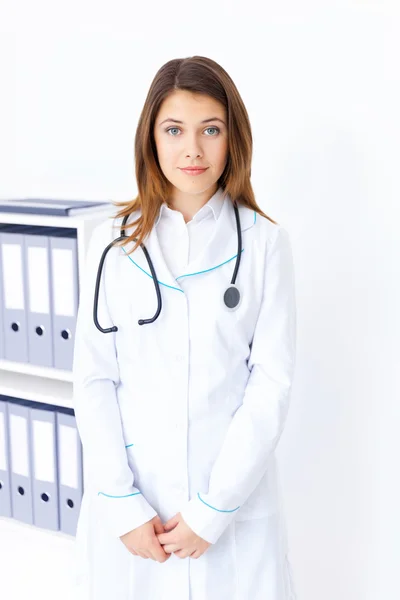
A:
{"x": 1, "y": 484}
{"x": 45, "y": 497}
{"x": 40, "y": 330}
{"x": 70, "y": 503}
{"x": 66, "y": 334}
{"x": 15, "y": 326}
{"x": 21, "y": 490}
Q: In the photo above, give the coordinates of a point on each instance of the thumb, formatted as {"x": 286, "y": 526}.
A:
{"x": 170, "y": 524}
{"x": 158, "y": 526}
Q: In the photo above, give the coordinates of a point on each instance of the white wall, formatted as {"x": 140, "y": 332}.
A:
{"x": 321, "y": 84}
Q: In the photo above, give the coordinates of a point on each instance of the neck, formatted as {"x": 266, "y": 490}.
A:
{"x": 190, "y": 204}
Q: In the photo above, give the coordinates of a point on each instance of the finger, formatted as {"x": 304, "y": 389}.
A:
{"x": 143, "y": 553}
{"x": 158, "y": 551}
{"x": 133, "y": 552}
{"x": 166, "y": 538}
{"x": 182, "y": 553}
{"x": 158, "y": 526}
{"x": 172, "y": 548}
{"x": 196, "y": 554}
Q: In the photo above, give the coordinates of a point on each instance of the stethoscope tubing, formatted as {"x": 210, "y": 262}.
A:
{"x": 153, "y": 273}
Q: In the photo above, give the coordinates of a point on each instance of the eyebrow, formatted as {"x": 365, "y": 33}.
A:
{"x": 205, "y": 120}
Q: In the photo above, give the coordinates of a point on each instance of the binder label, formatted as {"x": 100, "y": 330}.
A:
{"x": 13, "y": 277}
{"x": 19, "y": 445}
{"x": 43, "y": 444}
{"x": 38, "y": 277}
{"x": 3, "y": 456}
{"x": 68, "y": 446}
{"x": 63, "y": 276}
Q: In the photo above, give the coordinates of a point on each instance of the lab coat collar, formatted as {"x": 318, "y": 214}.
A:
{"x": 222, "y": 247}
{"x": 214, "y": 205}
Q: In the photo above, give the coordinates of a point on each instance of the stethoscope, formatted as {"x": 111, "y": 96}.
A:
{"x": 231, "y": 295}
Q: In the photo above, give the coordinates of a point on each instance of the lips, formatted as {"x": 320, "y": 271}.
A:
{"x": 194, "y": 170}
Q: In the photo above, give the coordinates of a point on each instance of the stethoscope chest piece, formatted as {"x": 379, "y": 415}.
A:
{"x": 232, "y": 297}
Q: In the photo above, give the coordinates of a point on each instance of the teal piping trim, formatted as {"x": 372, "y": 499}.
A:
{"x": 129, "y": 446}
{"x": 126, "y": 496}
{"x": 180, "y": 276}
{"x": 255, "y": 216}
{"x": 207, "y": 270}
{"x": 149, "y": 274}
{"x": 217, "y": 509}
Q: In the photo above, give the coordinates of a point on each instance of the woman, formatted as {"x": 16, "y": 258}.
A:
{"x": 184, "y": 362}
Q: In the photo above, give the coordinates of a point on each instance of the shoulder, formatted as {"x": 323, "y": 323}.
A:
{"x": 268, "y": 234}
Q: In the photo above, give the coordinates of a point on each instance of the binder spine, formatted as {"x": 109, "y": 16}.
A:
{"x": 65, "y": 292}
{"x": 21, "y": 464}
{"x": 5, "y": 483}
{"x": 44, "y": 474}
{"x": 39, "y": 310}
{"x": 70, "y": 474}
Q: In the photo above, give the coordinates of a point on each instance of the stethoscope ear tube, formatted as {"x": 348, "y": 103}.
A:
{"x": 98, "y": 280}
{"x": 231, "y": 296}
{"x": 97, "y": 289}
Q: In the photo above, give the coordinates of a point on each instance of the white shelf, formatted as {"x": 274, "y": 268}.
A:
{"x": 35, "y": 562}
{"x": 28, "y": 369}
{"x": 74, "y": 221}
{"x": 39, "y": 389}
{"x": 33, "y": 382}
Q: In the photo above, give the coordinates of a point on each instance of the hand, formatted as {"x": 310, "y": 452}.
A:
{"x": 142, "y": 541}
{"x": 181, "y": 540}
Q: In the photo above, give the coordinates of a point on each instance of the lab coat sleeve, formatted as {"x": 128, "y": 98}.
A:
{"x": 121, "y": 505}
{"x": 257, "y": 425}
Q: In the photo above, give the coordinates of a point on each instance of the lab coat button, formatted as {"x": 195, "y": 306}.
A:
{"x": 179, "y": 357}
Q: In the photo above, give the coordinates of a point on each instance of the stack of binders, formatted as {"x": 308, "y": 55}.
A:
{"x": 39, "y": 294}
{"x": 41, "y": 475}
{"x": 39, "y": 290}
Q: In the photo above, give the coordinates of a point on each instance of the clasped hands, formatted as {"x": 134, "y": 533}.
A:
{"x": 180, "y": 539}
{"x": 156, "y": 540}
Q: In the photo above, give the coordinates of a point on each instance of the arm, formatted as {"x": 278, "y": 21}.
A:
{"x": 258, "y": 423}
{"x": 95, "y": 378}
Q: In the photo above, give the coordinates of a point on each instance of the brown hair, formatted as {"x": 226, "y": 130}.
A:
{"x": 201, "y": 75}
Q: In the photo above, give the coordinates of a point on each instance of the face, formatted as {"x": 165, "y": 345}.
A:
{"x": 191, "y": 130}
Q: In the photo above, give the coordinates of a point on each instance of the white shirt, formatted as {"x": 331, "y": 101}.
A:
{"x": 182, "y": 242}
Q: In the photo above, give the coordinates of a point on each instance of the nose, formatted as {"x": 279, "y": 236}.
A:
{"x": 193, "y": 146}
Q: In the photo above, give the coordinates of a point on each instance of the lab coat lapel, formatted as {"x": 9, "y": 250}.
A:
{"x": 138, "y": 258}
{"x": 222, "y": 247}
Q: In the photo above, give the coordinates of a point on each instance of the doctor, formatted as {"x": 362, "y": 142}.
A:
{"x": 184, "y": 362}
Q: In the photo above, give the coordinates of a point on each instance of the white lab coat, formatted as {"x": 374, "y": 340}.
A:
{"x": 169, "y": 426}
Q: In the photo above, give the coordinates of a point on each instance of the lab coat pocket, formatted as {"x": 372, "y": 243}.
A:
{"x": 264, "y": 500}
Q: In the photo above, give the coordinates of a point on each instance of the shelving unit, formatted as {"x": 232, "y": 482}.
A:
{"x": 36, "y": 562}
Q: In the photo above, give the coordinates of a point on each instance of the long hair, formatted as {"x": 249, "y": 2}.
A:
{"x": 201, "y": 75}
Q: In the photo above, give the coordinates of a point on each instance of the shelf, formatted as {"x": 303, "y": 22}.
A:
{"x": 34, "y": 382}
{"x": 11, "y": 526}
{"x": 39, "y": 389}
{"x": 36, "y": 370}
{"x": 74, "y": 221}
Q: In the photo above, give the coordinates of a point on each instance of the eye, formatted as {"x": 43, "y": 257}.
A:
{"x": 171, "y": 128}
{"x": 177, "y": 129}
{"x": 216, "y": 129}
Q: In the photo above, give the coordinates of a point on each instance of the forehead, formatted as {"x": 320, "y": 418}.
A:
{"x": 181, "y": 103}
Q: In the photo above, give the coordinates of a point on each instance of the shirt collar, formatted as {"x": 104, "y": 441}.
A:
{"x": 213, "y": 206}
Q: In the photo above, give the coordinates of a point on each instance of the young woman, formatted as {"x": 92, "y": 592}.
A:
{"x": 184, "y": 361}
